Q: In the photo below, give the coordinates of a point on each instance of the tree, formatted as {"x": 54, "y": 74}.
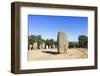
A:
{"x": 39, "y": 41}
{"x": 83, "y": 41}
{"x": 30, "y": 41}
{"x": 73, "y": 45}
{"x": 51, "y": 43}
{"x": 55, "y": 43}
{"x": 47, "y": 42}
{"x": 35, "y": 38}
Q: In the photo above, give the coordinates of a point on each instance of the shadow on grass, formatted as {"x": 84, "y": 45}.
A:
{"x": 50, "y": 52}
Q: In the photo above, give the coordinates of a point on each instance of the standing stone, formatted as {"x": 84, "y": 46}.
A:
{"x": 35, "y": 45}
{"x": 49, "y": 47}
{"x": 30, "y": 47}
{"x": 62, "y": 41}
{"x": 46, "y": 46}
{"x": 53, "y": 46}
{"x": 40, "y": 46}
{"x": 43, "y": 45}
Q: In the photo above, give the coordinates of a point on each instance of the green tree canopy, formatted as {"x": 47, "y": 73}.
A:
{"x": 83, "y": 41}
{"x": 35, "y": 38}
{"x": 39, "y": 40}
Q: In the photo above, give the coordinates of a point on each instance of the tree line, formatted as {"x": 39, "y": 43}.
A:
{"x": 82, "y": 41}
{"x": 37, "y": 38}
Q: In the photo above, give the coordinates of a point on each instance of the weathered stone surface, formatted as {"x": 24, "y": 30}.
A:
{"x": 54, "y": 46}
{"x": 30, "y": 47}
{"x": 42, "y": 45}
{"x": 62, "y": 41}
{"x": 47, "y": 47}
{"x": 35, "y": 45}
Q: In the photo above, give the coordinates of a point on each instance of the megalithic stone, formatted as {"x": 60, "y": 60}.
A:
{"x": 35, "y": 45}
{"x": 62, "y": 41}
{"x": 30, "y": 47}
{"x": 43, "y": 45}
{"x": 47, "y": 47}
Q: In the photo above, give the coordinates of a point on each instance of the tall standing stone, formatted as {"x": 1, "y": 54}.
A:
{"x": 62, "y": 41}
{"x": 35, "y": 45}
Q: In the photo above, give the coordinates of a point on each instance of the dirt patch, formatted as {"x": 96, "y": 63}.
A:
{"x": 51, "y": 54}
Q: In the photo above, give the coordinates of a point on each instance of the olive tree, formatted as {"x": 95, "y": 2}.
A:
{"x": 83, "y": 41}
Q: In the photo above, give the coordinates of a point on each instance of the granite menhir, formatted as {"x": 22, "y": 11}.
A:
{"x": 62, "y": 41}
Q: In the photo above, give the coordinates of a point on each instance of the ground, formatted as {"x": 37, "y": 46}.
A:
{"x": 51, "y": 54}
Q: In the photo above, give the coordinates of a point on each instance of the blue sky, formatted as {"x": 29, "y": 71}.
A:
{"x": 48, "y": 26}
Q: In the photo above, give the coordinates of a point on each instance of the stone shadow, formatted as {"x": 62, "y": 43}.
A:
{"x": 50, "y": 52}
